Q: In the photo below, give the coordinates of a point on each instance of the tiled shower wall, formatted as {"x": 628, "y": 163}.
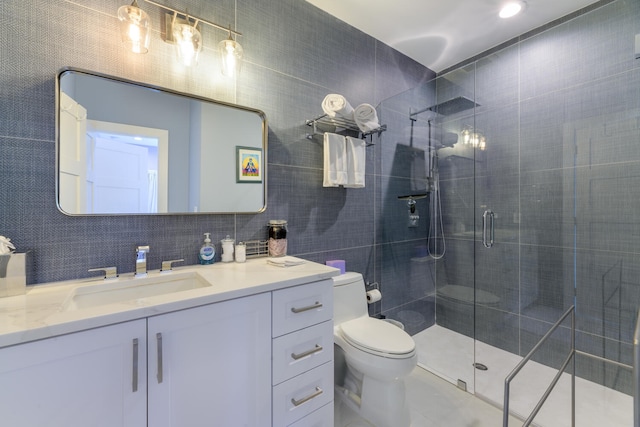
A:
{"x": 295, "y": 55}
{"x": 560, "y": 110}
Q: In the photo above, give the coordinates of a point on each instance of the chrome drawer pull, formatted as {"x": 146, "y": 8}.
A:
{"x": 316, "y": 393}
{"x": 160, "y": 373}
{"x": 134, "y": 384}
{"x": 318, "y": 304}
{"x": 298, "y": 356}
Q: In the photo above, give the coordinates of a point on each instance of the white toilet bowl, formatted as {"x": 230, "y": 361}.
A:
{"x": 378, "y": 355}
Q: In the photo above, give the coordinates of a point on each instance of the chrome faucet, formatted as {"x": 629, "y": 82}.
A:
{"x": 141, "y": 260}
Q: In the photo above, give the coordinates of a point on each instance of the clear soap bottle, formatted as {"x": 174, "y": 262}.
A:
{"x": 207, "y": 251}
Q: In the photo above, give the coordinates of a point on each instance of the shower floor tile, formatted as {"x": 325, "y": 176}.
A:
{"x": 451, "y": 355}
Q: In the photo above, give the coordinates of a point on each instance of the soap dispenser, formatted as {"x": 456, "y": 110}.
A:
{"x": 207, "y": 251}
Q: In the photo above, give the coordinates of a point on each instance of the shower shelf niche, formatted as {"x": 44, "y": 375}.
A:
{"x": 325, "y": 123}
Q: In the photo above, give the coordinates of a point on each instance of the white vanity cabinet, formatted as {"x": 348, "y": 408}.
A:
{"x": 207, "y": 365}
{"x": 253, "y": 349}
{"x": 303, "y": 355}
{"x": 92, "y": 378}
{"x": 211, "y": 365}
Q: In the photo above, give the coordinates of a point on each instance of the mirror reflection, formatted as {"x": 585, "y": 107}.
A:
{"x": 129, "y": 148}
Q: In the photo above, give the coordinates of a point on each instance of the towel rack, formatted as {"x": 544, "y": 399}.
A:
{"x": 340, "y": 124}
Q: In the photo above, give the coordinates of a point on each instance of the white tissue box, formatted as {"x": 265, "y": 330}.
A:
{"x": 13, "y": 273}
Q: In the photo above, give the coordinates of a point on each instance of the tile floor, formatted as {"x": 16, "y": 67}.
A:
{"x": 435, "y": 402}
{"x": 451, "y": 355}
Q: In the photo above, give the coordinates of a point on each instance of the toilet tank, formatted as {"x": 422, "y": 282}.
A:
{"x": 349, "y": 297}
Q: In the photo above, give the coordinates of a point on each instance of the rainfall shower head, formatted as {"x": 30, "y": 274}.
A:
{"x": 447, "y": 108}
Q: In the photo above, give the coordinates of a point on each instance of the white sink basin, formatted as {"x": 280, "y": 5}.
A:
{"x": 121, "y": 290}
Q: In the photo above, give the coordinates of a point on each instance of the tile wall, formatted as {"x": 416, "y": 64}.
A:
{"x": 295, "y": 54}
{"x": 560, "y": 111}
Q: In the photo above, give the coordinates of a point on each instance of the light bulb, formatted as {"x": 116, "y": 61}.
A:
{"x": 231, "y": 55}
{"x": 511, "y": 9}
{"x": 466, "y": 136}
{"x": 135, "y": 27}
{"x": 188, "y": 43}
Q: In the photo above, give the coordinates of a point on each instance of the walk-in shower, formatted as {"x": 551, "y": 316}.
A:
{"x": 549, "y": 179}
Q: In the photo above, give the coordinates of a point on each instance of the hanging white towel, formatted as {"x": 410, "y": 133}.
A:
{"x": 366, "y": 117}
{"x": 337, "y": 105}
{"x": 356, "y": 162}
{"x": 335, "y": 160}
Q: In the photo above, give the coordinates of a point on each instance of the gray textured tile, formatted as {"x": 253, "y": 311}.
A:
{"x": 610, "y": 35}
{"x": 569, "y": 86}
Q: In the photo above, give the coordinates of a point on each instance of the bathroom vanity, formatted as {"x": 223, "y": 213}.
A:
{"x": 227, "y": 344}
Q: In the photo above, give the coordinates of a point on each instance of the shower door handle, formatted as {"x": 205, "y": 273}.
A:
{"x": 488, "y": 232}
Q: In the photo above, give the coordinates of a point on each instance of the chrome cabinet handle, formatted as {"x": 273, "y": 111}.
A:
{"x": 488, "y": 242}
{"x": 299, "y": 356}
{"x": 316, "y": 393}
{"x": 318, "y": 304}
{"x": 159, "y": 375}
{"x": 134, "y": 383}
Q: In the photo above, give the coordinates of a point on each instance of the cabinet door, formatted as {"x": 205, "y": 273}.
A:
{"x": 82, "y": 379}
{"x": 211, "y": 365}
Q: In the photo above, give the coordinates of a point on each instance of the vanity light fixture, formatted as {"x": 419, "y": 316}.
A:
{"x": 183, "y": 30}
{"x": 512, "y": 8}
{"x": 188, "y": 42}
{"x": 135, "y": 27}
{"x": 231, "y": 54}
{"x": 474, "y": 139}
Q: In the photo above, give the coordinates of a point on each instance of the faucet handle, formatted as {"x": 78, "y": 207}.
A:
{"x": 109, "y": 272}
{"x": 167, "y": 265}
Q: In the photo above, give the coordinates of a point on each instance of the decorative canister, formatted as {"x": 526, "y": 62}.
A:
{"x": 277, "y": 237}
{"x": 227, "y": 249}
{"x": 241, "y": 252}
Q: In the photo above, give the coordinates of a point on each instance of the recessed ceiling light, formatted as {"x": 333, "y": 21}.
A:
{"x": 511, "y": 9}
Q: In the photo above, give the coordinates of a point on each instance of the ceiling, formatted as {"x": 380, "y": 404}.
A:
{"x": 443, "y": 33}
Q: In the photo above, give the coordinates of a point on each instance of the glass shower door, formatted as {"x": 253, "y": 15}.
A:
{"x": 499, "y": 271}
{"x": 453, "y": 234}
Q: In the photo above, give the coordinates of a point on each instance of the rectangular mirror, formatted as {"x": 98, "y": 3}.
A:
{"x": 128, "y": 148}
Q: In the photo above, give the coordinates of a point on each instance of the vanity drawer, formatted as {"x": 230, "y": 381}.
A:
{"x": 301, "y": 395}
{"x": 302, "y": 306}
{"x": 302, "y": 350}
{"x": 323, "y": 417}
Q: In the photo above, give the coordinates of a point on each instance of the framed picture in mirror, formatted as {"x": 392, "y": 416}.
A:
{"x": 248, "y": 164}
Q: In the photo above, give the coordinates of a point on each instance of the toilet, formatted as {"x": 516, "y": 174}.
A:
{"x": 372, "y": 357}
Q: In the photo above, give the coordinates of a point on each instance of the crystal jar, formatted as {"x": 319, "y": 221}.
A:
{"x": 277, "y": 237}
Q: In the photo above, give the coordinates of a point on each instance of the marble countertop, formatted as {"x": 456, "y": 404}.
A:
{"x": 41, "y": 312}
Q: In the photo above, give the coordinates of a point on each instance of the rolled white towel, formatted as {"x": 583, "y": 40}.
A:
{"x": 366, "y": 117}
{"x": 337, "y": 105}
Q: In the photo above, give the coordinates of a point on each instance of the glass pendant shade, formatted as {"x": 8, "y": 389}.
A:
{"x": 188, "y": 43}
{"x": 231, "y": 53}
{"x": 135, "y": 28}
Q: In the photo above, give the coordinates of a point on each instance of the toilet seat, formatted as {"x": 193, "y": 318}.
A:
{"x": 377, "y": 337}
